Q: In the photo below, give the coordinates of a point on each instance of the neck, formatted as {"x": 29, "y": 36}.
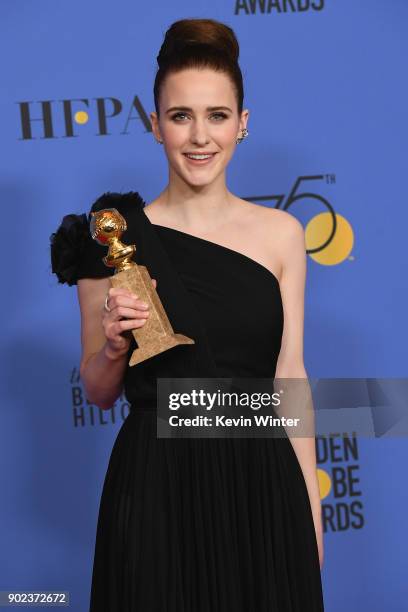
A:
{"x": 203, "y": 207}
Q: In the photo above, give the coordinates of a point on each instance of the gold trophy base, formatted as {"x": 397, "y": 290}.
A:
{"x": 163, "y": 344}
{"x": 157, "y": 334}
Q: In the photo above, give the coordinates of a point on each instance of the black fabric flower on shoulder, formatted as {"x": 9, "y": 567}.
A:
{"x": 67, "y": 246}
{"x": 123, "y": 202}
{"x": 68, "y": 243}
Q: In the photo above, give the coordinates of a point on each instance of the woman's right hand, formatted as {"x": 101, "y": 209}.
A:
{"x": 127, "y": 312}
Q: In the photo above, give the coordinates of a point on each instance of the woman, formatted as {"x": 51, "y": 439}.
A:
{"x": 196, "y": 525}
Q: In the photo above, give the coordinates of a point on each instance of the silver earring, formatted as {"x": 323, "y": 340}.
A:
{"x": 159, "y": 141}
{"x": 244, "y": 133}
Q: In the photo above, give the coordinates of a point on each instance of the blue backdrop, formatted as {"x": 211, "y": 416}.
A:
{"x": 325, "y": 82}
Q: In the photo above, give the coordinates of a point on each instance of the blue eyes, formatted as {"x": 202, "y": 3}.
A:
{"x": 222, "y": 115}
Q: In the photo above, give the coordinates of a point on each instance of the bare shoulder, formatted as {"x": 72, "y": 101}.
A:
{"x": 278, "y": 233}
{"x": 276, "y": 223}
{"x": 277, "y": 219}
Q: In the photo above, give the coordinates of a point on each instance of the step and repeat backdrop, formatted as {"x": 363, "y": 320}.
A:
{"x": 325, "y": 83}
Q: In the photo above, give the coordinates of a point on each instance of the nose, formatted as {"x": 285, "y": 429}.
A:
{"x": 198, "y": 133}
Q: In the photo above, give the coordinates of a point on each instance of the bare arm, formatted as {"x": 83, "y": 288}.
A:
{"x": 290, "y": 362}
{"x": 105, "y": 337}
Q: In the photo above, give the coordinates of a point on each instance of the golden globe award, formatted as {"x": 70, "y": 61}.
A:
{"x": 157, "y": 334}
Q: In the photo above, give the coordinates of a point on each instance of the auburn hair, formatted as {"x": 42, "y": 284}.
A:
{"x": 199, "y": 43}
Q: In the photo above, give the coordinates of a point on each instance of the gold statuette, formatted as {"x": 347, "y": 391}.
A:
{"x": 157, "y": 334}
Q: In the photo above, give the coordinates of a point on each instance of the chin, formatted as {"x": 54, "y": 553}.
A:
{"x": 195, "y": 178}
{"x": 204, "y": 179}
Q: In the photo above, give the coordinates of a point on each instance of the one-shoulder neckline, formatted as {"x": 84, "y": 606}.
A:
{"x": 220, "y": 246}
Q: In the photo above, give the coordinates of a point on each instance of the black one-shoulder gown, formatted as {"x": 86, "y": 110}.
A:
{"x": 201, "y": 525}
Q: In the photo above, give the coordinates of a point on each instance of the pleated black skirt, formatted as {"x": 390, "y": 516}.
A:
{"x": 203, "y": 525}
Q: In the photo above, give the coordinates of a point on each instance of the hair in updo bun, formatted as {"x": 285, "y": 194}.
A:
{"x": 199, "y": 43}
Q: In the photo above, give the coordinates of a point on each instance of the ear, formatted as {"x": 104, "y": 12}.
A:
{"x": 244, "y": 119}
{"x": 155, "y": 125}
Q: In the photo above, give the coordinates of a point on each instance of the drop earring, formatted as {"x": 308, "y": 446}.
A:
{"x": 244, "y": 133}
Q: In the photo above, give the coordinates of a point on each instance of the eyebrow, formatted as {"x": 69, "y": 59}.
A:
{"x": 187, "y": 108}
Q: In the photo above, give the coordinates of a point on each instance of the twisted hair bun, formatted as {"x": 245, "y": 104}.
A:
{"x": 199, "y": 43}
{"x": 203, "y": 35}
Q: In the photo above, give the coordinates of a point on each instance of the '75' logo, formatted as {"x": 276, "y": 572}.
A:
{"x": 328, "y": 235}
